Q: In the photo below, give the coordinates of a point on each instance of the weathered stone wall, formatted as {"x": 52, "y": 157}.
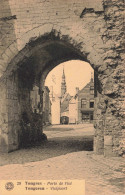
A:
{"x": 7, "y": 31}
{"x": 13, "y": 112}
{"x": 114, "y": 83}
{"x": 94, "y": 29}
{"x": 3, "y": 117}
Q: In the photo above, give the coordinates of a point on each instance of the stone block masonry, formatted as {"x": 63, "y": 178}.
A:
{"x": 37, "y": 35}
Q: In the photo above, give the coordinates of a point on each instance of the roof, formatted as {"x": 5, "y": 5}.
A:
{"x": 91, "y": 83}
{"x": 65, "y": 96}
{"x": 65, "y": 102}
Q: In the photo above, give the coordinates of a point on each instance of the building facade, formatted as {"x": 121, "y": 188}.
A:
{"x": 78, "y": 108}
{"x": 86, "y": 103}
{"x": 55, "y": 107}
{"x": 81, "y": 106}
{"x": 73, "y": 110}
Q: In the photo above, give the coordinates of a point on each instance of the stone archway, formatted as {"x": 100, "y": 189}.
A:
{"x": 38, "y": 57}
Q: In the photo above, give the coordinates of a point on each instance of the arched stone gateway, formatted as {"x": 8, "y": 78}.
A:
{"x": 74, "y": 30}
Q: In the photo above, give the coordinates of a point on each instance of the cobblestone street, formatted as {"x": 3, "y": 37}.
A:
{"x": 68, "y": 154}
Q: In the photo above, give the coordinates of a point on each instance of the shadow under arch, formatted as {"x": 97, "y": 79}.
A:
{"x": 52, "y": 46}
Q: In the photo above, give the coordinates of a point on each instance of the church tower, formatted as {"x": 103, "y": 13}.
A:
{"x": 63, "y": 84}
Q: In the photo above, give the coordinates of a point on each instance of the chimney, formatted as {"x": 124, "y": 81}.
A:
{"x": 77, "y": 90}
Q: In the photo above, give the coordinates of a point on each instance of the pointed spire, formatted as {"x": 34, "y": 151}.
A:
{"x": 63, "y": 72}
{"x": 63, "y": 84}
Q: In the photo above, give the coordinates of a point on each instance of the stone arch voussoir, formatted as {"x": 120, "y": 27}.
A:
{"x": 64, "y": 33}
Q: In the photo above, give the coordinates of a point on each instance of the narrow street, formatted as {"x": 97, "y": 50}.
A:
{"x": 68, "y": 154}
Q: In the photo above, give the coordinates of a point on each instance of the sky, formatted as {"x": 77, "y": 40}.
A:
{"x": 78, "y": 74}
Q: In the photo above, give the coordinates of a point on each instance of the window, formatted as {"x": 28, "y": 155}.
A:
{"x": 83, "y": 103}
{"x": 85, "y": 116}
{"x": 91, "y": 104}
{"x": 92, "y": 90}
